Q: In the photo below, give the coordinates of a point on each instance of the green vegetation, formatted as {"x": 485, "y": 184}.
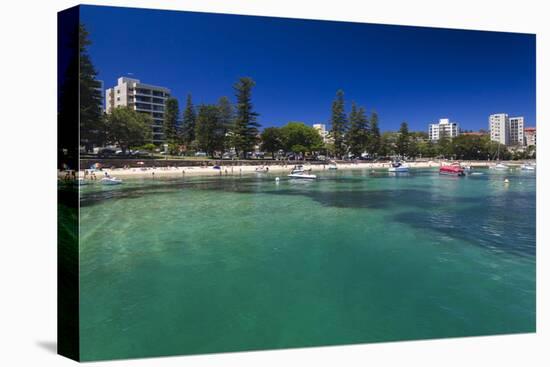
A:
{"x": 339, "y": 124}
{"x": 209, "y": 130}
{"x": 171, "y": 121}
{"x": 92, "y": 129}
{"x": 244, "y": 132}
{"x": 189, "y": 122}
{"x": 128, "y": 128}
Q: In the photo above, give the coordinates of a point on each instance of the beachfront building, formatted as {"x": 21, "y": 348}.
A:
{"x": 144, "y": 98}
{"x": 443, "y": 128}
{"x": 101, "y": 88}
{"x": 530, "y": 134}
{"x": 498, "y": 127}
{"x": 322, "y": 130}
{"x": 517, "y": 131}
{"x": 507, "y": 130}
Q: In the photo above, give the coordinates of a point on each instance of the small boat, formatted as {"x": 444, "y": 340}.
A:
{"x": 528, "y": 167}
{"x": 452, "y": 169}
{"x": 111, "y": 181}
{"x": 398, "y": 167}
{"x": 302, "y": 175}
{"x": 332, "y": 165}
{"x": 499, "y": 167}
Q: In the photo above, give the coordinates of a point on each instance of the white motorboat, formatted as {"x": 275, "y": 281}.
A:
{"x": 500, "y": 167}
{"x": 111, "y": 181}
{"x": 302, "y": 175}
{"x": 398, "y": 167}
{"x": 528, "y": 167}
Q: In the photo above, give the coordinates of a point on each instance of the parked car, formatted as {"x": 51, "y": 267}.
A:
{"x": 200, "y": 154}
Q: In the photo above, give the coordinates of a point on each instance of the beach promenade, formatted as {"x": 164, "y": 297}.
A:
{"x": 229, "y": 170}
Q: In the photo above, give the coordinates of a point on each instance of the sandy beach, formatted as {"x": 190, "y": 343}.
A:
{"x": 152, "y": 172}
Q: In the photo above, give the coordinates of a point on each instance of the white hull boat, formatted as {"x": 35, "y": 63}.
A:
{"x": 111, "y": 181}
{"x": 398, "y": 168}
{"x": 302, "y": 176}
{"x": 500, "y": 167}
{"x": 528, "y": 167}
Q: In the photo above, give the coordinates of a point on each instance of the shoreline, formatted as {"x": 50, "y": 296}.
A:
{"x": 194, "y": 171}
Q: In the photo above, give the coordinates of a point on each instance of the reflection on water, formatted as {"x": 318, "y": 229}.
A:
{"x": 196, "y": 265}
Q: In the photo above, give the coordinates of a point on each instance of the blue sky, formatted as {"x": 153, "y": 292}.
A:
{"x": 408, "y": 74}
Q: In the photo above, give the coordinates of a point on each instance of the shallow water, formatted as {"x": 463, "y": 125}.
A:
{"x": 201, "y": 265}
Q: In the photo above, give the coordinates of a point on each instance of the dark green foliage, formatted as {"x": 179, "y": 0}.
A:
{"x": 171, "y": 114}
{"x": 227, "y": 116}
{"x": 374, "y": 140}
{"x": 297, "y": 137}
{"x": 403, "y": 141}
{"x": 339, "y": 124}
{"x": 209, "y": 130}
{"x": 92, "y": 130}
{"x": 128, "y": 128}
{"x": 189, "y": 122}
{"x": 357, "y": 135}
{"x": 244, "y": 133}
{"x": 272, "y": 140}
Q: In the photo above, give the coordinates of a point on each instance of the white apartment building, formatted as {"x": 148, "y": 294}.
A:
{"x": 507, "y": 130}
{"x": 443, "y": 128}
{"x": 322, "y": 130}
{"x": 144, "y": 98}
{"x": 517, "y": 136}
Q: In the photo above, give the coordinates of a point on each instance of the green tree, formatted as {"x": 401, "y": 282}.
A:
{"x": 297, "y": 137}
{"x": 244, "y": 134}
{"x": 171, "y": 114}
{"x": 374, "y": 139}
{"x": 92, "y": 128}
{"x": 227, "y": 116}
{"x": 339, "y": 124}
{"x": 128, "y": 128}
{"x": 209, "y": 130}
{"x": 403, "y": 140}
{"x": 189, "y": 122}
{"x": 357, "y": 135}
{"x": 272, "y": 140}
{"x": 427, "y": 149}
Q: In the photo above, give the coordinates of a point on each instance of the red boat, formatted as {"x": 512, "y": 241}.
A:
{"x": 453, "y": 170}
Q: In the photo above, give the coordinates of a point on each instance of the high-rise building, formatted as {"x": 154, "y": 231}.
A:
{"x": 499, "y": 128}
{"x": 507, "y": 130}
{"x": 516, "y": 131}
{"x": 530, "y": 134}
{"x": 101, "y": 88}
{"x": 443, "y": 128}
{"x": 144, "y": 98}
{"x": 322, "y": 130}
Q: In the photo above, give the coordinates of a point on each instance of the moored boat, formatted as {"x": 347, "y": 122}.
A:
{"x": 398, "y": 167}
{"x": 500, "y": 167}
{"x": 453, "y": 170}
{"x": 528, "y": 167}
{"x": 111, "y": 181}
{"x": 302, "y": 175}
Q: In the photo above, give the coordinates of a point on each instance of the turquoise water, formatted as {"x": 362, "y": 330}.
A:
{"x": 202, "y": 265}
